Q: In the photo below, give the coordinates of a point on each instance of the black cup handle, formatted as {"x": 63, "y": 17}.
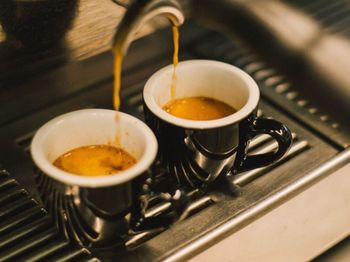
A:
{"x": 144, "y": 195}
{"x": 252, "y": 127}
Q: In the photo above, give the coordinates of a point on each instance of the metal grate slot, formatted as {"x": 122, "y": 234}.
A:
{"x": 275, "y": 80}
{"x": 20, "y": 249}
{"x": 47, "y": 251}
{"x": 282, "y": 88}
{"x": 337, "y": 15}
{"x": 135, "y": 100}
{"x": 220, "y": 46}
{"x": 70, "y": 254}
{"x": 334, "y": 15}
{"x": 132, "y": 97}
{"x": 22, "y": 234}
{"x": 313, "y": 6}
{"x": 243, "y": 60}
{"x": 12, "y": 195}
{"x": 21, "y": 220}
{"x": 254, "y": 67}
{"x": 265, "y": 74}
{"x": 17, "y": 206}
{"x": 327, "y": 10}
{"x": 342, "y": 26}
{"x": 25, "y": 140}
{"x": 131, "y": 91}
{"x": 6, "y": 185}
{"x": 26, "y": 231}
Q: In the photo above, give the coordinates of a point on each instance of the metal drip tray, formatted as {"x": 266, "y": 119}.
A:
{"x": 27, "y": 232}
{"x": 254, "y": 186}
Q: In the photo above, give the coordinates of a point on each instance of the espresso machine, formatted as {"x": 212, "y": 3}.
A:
{"x": 55, "y": 57}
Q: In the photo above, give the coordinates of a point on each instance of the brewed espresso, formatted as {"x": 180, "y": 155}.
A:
{"x": 198, "y": 108}
{"x": 95, "y": 160}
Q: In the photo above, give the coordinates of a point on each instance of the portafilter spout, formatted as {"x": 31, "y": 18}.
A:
{"x": 139, "y": 13}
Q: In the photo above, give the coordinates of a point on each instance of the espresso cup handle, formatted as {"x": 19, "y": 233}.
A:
{"x": 144, "y": 195}
{"x": 252, "y": 127}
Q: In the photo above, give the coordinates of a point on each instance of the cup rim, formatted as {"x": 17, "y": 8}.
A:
{"x": 121, "y": 177}
{"x": 250, "y": 106}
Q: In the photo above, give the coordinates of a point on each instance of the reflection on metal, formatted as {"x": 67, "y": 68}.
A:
{"x": 196, "y": 205}
{"x": 139, "y": 14}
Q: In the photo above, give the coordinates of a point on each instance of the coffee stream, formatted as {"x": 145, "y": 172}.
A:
{"x": 175, "y": 61}
{"x": 118, "y": 59}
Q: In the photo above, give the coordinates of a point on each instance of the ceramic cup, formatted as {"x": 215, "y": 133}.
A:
{"x": 99, "y": 210}
{"x": 201, "y": 151}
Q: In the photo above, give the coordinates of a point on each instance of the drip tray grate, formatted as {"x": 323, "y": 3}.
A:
{"x": 26, "y": 230}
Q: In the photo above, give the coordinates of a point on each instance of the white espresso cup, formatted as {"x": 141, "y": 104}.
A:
{"x": 198, "y": 152}
{"x": 101, "y": 209}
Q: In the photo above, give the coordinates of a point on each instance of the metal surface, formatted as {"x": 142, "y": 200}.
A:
{"x": 26, "y": 230}
{"x": 263, "y": 207}
{"x": 298, "y": 230}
